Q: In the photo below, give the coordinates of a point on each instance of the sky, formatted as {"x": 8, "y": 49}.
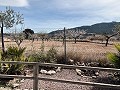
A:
{"x": 49, "y": 15}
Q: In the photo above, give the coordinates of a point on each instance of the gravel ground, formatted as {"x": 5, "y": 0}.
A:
{"x": 69, "y": 74}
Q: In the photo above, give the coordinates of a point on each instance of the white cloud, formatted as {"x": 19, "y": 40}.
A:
{"x": 83, "y": 4}
{"x": 15, "y": 3}
{"x": 107, "y": 9}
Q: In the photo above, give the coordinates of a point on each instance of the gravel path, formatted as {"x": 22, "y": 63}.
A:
{"x": 68, "y": 74}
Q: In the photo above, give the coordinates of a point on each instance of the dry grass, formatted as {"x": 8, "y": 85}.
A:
{"x": 84, "y": 51}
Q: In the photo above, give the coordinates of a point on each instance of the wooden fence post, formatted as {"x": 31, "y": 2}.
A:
{"x": 35, "y": 75}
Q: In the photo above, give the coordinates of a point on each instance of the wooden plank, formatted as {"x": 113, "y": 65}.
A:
{"x": 80, "y": 67}
{"x": 63, "y": 65}
{"x": 82, "y": 83}
{"x": 15, "y": 76}
{"x": 36, "y": 68}
{"x": 16, "y": 62}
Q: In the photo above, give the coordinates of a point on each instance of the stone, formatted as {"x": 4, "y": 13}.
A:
{"x": 97, "y": 73}
{"x": 15, "y": 85}
{"x": 51, "y": 72}
{"x": 58, "y": 69}
{"x": 43, "y": 71}
{"x": 94, "y": 77}
{"x": 22, "y": 81}
{"x": 78, "y": 71}
{"x": 71, "y": 61}
{"x": 83, "y": 64}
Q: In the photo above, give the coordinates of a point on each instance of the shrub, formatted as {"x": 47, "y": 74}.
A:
{"x": 51, "y": 56}
{"x": 115, "y": 58}
{"x": 70, "y": 55}
{"x": 12, "y": 54}
{"x": 37, "y": 57}
{"x": 41, "y": 56}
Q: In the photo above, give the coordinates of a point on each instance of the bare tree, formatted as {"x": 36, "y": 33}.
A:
{"x": 76, "y": 33}
{"x": 43, "y": 36}
{"x": 116, "y": 31}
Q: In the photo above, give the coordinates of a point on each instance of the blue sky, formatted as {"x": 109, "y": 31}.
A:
{"x": 48, "y": 15}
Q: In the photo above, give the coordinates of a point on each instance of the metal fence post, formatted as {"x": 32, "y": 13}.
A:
{"x": 35, "y": 75}
{"x": 65, "y": 46}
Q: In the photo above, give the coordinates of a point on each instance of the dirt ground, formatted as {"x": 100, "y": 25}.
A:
{"x": 85, "y": 50}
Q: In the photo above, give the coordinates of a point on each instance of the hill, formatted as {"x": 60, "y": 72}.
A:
{"x": 98, "y": 28}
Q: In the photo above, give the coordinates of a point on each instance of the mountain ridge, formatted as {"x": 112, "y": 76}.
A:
{"x": 98, "y": 28}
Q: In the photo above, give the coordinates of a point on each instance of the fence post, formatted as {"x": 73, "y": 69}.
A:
{"x": 35, "y": 75}
{"x": 65, "y": 46}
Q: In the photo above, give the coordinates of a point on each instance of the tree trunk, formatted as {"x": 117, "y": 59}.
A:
{"x": 2, "y": 37}
{"x": 63, "y": 40}
{"x": 107, "y": 39}
{"x": 75, "y": 39}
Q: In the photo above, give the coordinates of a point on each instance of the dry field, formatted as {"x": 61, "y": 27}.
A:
{"x": 82, "y": 50}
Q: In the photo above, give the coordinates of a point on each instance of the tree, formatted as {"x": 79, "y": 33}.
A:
{"x": 43, "y": 36}
{"x": 18, "y": 38}
{"x": 76, "y": 33}
{"x": 28, "y": 33}
{"x": 116, "y": 32}
{"x": 8, "y": 19}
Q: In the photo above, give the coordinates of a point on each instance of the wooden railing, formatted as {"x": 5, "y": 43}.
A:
{"x": 36, "y": 77}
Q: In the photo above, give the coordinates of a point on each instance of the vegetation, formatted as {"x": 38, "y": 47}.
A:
{"x": 12, "y": 54}
{"x": 98, "y": 28}
{"x": 51, "y": 56}
{"x": 8, "y": 19}
{"x": 115, "y": 58}
{"x": 42, "y": 56}
{"x": 76, "y": 33}
{"x": 108, "y": 36}
{"x": 28, "y": 33}
{"x": 18, "y": 38}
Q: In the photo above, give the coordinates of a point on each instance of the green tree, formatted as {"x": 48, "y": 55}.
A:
{"x": 8, "y": 19}
{"x": 28, "y": 33}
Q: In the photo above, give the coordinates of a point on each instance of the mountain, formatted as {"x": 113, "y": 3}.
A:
{"x": 99, "y": 28}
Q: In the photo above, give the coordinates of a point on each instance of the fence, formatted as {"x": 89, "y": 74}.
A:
{"x": 36, "y": 72}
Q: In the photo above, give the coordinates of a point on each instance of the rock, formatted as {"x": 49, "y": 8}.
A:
{"x": 97, "y": 73}
{"x": 51, "y": 72}
{"x": 83, "y": 64}
{"x": 77, "y": 63}
{"x": 22, "y": 81}
{"x": 71, "y": 61}
{"x": 58, "y": 69}
{"x": 84, "y": 76}
{"x": 94, "y": 77}
{"x": 78, "y": 71}
{"x": 43, "y": 71}
{"x": 15, "y": 85}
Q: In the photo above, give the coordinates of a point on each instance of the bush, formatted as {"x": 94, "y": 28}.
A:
{"x": 51, "y": 56}
{"x": 12, "y": 54}
{"x": 70, "y": 55}
{"x": 115, "y": 58}
{"x": 41, "y": 56}
{"x": 37, "y": 57}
